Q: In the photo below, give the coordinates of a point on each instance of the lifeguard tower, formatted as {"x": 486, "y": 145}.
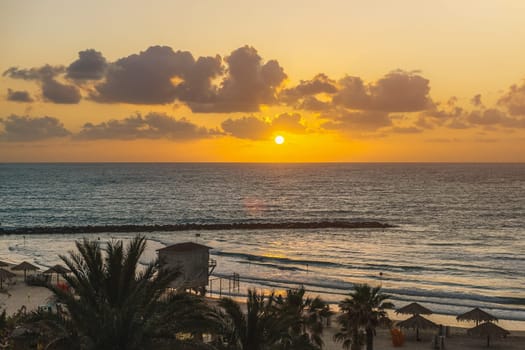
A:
{"x": 194, "y": 263}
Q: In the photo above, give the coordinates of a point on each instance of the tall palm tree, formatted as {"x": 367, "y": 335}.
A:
{"x": 113, "y": 305}
{"x": 305, "y": 318}
{"x": 258, "y": 329}
{"x": 363, "y": 310}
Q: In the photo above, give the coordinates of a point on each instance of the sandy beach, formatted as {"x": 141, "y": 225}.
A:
{"x": 18, "y": 295}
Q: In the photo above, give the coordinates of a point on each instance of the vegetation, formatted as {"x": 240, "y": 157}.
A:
{"x": 112, "y": 304}
{"x": 273, "y": 322}
{"x": 362, "y": 312}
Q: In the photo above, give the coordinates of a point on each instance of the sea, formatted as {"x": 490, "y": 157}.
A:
{"x": 457, "y": 241}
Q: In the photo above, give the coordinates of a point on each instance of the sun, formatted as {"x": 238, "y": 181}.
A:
{"x": 279, "y": 139}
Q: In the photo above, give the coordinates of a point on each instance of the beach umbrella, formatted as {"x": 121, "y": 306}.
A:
{"x": 488, "y": 329}
{"x": 3, "y": 263}
{"x": 58, "y": 269}
{"x": 477, "y": 315}
{"x": 413, "y": 309}
{"x": 417, "y": 322}
{"x": 25, "y": 266}
{"x": 5, "y": 274}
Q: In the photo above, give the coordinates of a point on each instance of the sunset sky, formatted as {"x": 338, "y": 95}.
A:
{"x": 210, "y": 80}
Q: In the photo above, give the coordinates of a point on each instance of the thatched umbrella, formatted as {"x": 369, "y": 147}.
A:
{"x": 417, "y": 322}
{"x": 5, "y": 274}
{"x": 24, "y": 265}
{"x": 477, "y": 315}
{"x": 488, "y": 329}
{"x": 58, "y": 269}
{"x": 413, "y": 309}
{"x": 3, "y": 263}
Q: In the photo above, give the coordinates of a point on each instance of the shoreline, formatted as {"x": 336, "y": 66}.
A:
{"x": 32, "y": 297}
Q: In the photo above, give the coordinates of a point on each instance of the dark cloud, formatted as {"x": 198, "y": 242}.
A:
{"x": 23, "y": 128}
{"x": 256, "y": 129}
{"x": 489, "y": 116}
{"x": 311, "y": 103}
{"x": 247, "y": 128}
{"x": 318, "y": 85}
{"x": 57, "y": 92}
{"x": 406, "y": 130}
{"x": 52, "y": 90}
{"x": 359, "y": 121}
{"x": 197, "y": 87}
{"x": 398, "y": 91}
{"x": 145, "y": 78}
{"x": 41, "y": 73}
{"x": 91, "y": 65}
{"x": 247, "y": 85}
{"x": 290, "y": 122}
{"x": 18, "y": 96}
{"x": 150, "y": 126}
{"x": 476, "y": 100}
{"x": 493, "y": 117}
{"x": 514, "y": 100}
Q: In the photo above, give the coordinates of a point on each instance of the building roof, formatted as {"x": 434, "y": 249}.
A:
{"x": 184, "y": 247}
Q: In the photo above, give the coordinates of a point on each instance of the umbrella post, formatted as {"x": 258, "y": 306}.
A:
{"x": 488, "y": 341}
{"x": 417, "y": 334}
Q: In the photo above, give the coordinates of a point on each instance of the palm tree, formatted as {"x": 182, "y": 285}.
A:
{"x": 305, "y": 318}
{"x": 113, "y": 305}
{"x": 258, "y": 329}
{"x": 364, "y": 309}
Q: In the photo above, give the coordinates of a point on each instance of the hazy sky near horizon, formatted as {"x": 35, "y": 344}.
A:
{"x": 207, "y": 80}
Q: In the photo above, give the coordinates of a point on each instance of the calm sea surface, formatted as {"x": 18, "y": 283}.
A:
{"x": 459, "y": 239}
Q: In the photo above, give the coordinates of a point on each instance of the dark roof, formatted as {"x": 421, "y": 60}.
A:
{"x": 184, "y": 247}
{"x": 24, "y": 265}
{"x": 417, "y": 321}
{"x": 57, "y": 269}
{"x": 414, "y": 309}
{"x": 476, "y": 314}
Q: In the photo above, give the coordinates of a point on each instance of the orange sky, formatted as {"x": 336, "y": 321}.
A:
{"x": 364, "y": 81}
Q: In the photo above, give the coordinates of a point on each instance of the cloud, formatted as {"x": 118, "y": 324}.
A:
{"x": 406, "y": 130}
{"x": 398, "y": 91}
{"x": 91, "y": 65}
{"x": 247, "y": 85}
{"x": 290, "y": 122}
{"x": 57, "y": 92}
{"x": 358, "y": 121}
{"x": 24, "y": 128}
{"x": 41, "y": 73}
{"x": 197, "y": 87}
{"x": 18, "y": 96}
{"x": 514, "y": 100}
{"x": 150, "y": 126}
{"x": 476, "y": 101}
{"x": 256, "y": 129}
{"x": 52, "y": 90}
{"x": 144, "y": 78}
{"x": 318, "y": 85}
{"x": 311, "y": 103}
{"x": 247, "y": 128}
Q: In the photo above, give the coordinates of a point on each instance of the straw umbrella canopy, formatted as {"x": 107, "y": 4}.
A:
{"x": 418, "y": 322}
{"x": 413, "y": 309}
{"x": 58, "y": 269}
{"x": 488, "y": 329}
{"x": 25, "y": 266}
{"x": 477, "y": 315}
{"x": 3, "y": 263}
{"x": 5, "y": 274}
